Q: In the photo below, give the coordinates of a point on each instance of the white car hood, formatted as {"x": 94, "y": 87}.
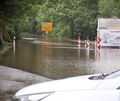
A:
{"x": 74, "y": 83}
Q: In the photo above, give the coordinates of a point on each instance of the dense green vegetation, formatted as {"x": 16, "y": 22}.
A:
{"x": 69, "y": 17}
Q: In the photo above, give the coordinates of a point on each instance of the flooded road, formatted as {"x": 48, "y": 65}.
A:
{"x": 60, "y": 59}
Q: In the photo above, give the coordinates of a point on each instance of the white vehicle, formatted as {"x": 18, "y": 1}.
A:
{"x": 98, "y": 87}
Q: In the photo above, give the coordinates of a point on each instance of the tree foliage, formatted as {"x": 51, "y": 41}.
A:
{"x": 77, "y": 15}
{"x": 15, "y": 15}
{"x": 109, "y": 9}
{"x": 69, "y": 17}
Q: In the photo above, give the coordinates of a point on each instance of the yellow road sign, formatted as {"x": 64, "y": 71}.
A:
{"x": 46, "y": 26}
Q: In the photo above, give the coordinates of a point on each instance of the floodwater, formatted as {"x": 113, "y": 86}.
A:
{"x": 60, "y": 59}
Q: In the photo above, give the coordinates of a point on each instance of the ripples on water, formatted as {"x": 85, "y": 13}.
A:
{"x": 61, "y": 59}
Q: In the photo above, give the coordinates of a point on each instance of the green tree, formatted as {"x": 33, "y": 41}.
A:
{"x": 69, "y": 17}
{"x": 15, "y": 15}
{"x": 76, "y": 15}
{"x": 109, "y": 8}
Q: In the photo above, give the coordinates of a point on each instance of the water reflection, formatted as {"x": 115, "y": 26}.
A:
{"x": 60, "y": 59}
{"x": 107, "y": 60}
{"x": 14, "y": 47}
{"x": 78, "y": 50}
{"x": 87, "y": 52}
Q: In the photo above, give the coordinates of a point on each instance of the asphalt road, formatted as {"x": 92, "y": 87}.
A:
{"x": 12, "y": 80}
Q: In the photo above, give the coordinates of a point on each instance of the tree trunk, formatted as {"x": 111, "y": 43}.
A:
{"x": 2, "y": 30}
{"x": 72, "y": 30}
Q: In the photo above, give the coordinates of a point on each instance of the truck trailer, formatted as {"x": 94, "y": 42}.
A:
{"x": 108, "y": 32}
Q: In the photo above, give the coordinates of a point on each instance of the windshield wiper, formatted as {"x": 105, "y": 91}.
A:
{"x": 104, "y": 75}
{"x": 99, "y": 77}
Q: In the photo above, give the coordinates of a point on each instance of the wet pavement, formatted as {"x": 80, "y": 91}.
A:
{"x": 12, "y": 80}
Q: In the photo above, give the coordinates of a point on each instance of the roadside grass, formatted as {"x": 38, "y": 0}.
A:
{"x": 5, "y": 47}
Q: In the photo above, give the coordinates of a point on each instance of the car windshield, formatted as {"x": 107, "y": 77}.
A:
{"x": 113, "y": 75}
{"x": 106, "y": 76}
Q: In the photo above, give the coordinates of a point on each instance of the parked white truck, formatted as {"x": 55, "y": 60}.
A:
{"x": 108, "y": 32}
